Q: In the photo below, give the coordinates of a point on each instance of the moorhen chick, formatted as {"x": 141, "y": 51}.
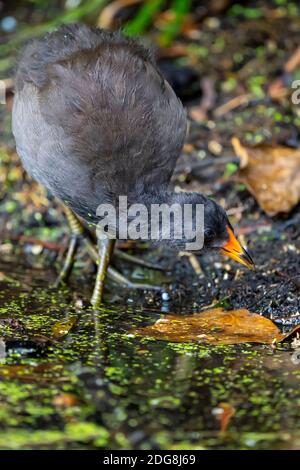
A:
{"x": 94, "y": 119}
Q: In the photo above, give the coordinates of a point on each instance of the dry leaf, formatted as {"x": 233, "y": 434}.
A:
{"x": 213, "y": 326}
{"x": 271, "y": 174}
{"x": 65, "y": 400}
{"x": 224, "y": 412}
{"x": 30, "y": 373}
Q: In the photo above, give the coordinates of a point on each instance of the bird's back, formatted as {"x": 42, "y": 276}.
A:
{"x": 92, "y": 114}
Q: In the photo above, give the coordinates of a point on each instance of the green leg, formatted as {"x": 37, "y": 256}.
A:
{"x": 101, "y": 257}
{"x": 77, "y": 231}
{"x": 69, "y": 261}
{"x": 120, "y": 254}
{"x": 106, "y": 248}
{"x": 115, "y": 276}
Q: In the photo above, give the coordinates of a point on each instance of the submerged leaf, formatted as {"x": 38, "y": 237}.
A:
{"x": 271, "y": 174}
{"x": 62, "y": 328}
{"x": 31, "y": 373}
{"x": 213, "y": 326}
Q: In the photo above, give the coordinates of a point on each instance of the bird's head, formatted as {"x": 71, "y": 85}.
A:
{"x": 219, "y": 235}
{"x": 205, "y": 230}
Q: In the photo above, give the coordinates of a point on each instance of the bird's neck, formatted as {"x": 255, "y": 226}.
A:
{"x": 172, "y": 218}
{"x": 157, "y": 215}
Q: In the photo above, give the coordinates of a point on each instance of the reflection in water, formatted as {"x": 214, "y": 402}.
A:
{"x": 130, "y": 392}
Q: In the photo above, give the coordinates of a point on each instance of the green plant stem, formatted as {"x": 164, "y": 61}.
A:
{"x": 143, "y": 18}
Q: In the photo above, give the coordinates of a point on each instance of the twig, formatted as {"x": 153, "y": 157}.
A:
{"x": 108, "y": 13}
{"x": 34, "y": 241}
{"x": 293, "y": 62}
{"x": 207, "y": 162}
{"x": 232, "y": 104}
{"x": 251, "y": 229}
{"x": 295, "y": 280}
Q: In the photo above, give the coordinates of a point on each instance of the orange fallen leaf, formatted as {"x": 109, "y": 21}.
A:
{"x": 65, "y": 400}
{"x": 213, "y": 326}
{"x": 271, "y": 174}
{"x": 224, "y": 412}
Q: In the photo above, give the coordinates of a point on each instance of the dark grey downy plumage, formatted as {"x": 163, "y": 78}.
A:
{"x": 93, "y": 119}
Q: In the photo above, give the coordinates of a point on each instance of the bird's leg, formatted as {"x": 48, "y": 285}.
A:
{"x": 106, "y": 248}
{"x": 77, "y": 231}
{"x": 115, "y": 275}
{"x": 101, "y": 257}
{"x": 90, "y": 242}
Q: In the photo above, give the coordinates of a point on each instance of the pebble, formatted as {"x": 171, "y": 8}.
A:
{"x": 212, "y": 22}
{"x": 36, "y": 249}
{"x": 214, "y": 147}
{"x": 8, "y": 24}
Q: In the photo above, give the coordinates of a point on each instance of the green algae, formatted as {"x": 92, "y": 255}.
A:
{"x": 81, "y": 432}
{"x": 120, "y": 382}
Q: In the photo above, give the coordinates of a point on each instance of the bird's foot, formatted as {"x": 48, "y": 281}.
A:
{"x": 102, "y": 257}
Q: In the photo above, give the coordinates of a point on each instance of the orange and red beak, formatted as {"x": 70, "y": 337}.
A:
{"x": 234, "y": 250}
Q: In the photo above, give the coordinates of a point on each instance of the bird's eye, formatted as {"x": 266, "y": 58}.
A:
{"x": 209, "y": 234}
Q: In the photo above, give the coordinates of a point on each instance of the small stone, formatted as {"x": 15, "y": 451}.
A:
{"x": 8, "y": 24}
{"x": 36, "y": 249}
{"x": 218, "y": 265}
{"x": 78, "y": 303}
{"x": 215, "y": 147}
{"x": 212, "y": 22}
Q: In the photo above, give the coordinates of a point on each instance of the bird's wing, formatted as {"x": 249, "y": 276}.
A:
{"x": 120, "y": 118}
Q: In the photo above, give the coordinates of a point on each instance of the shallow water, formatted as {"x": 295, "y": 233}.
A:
{"x": 71, "y": 377}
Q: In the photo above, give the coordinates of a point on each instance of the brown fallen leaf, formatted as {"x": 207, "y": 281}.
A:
{"x": 31, "y": 373}
{"x": 223, "y": 413}
{"x": 271, "y": 174}
{"x": 65, "y": 400}
{"x": 213, "y": 326}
